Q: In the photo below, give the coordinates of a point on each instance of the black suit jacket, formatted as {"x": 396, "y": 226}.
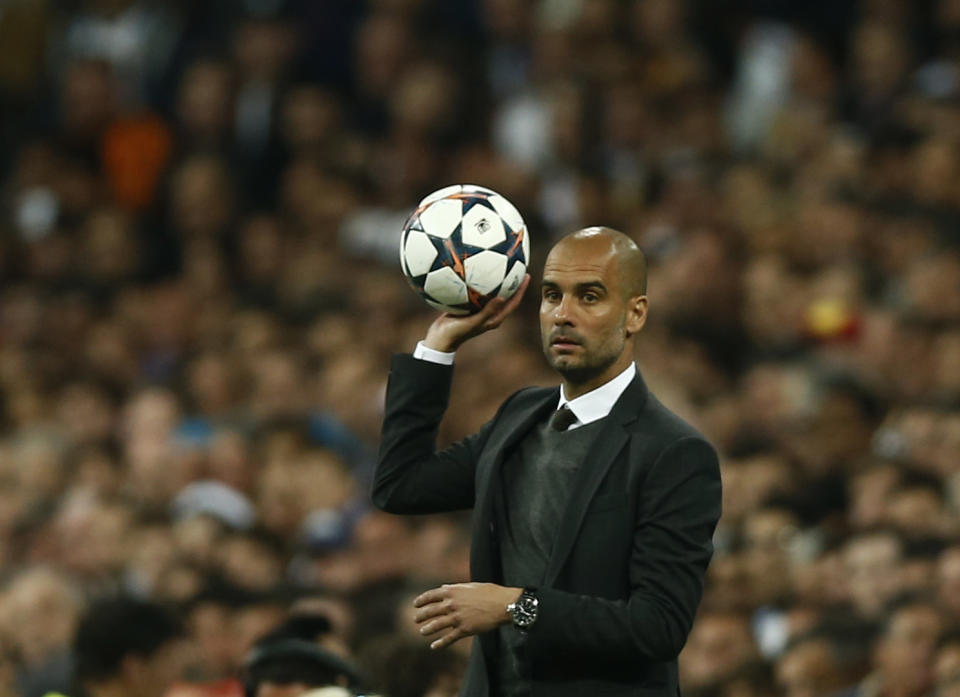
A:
{"x": 626, "y": 573}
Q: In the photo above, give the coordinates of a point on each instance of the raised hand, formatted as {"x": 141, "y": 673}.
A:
{"x": 448, "y": 331}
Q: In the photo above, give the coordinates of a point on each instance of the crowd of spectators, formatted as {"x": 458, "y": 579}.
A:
{"x": 200, "y": 205}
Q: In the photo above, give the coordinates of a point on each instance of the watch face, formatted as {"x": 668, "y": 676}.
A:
{"x": 525, "y": 610}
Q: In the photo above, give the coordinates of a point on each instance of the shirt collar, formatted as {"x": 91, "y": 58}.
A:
{"x": 598, "y": 403}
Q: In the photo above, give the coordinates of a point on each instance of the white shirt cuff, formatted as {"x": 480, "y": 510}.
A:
{"x": 428, "y": 354}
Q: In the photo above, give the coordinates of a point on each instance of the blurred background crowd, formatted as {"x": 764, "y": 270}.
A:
{"x": 200, "y": 205}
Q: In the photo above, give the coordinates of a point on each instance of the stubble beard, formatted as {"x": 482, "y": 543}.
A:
{"x": 589, "y": 367}
{"x": 575, "y": 374}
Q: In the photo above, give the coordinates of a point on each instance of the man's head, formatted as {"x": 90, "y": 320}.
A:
{"x": 872, "y": 566}
{"x": 721, "y": 643}
{"x": 809, "y": 668}
{"x": 946, "y": 665}
{"x": 904, "y": 650}
{"x": 130, "y": 645}
{"x": 592, "y": 304}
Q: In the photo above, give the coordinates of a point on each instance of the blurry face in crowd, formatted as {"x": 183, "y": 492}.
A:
{"x": 872, "y": 570}
{"x": 946, "y": 670}
{"x": 586, "y": 319}
{"x": 808, "y": 670}
{"x": 719, "y": 644}
{"x": 40, "y": 613}
{"x": 903, "y": 653}
{"x": 203, "y": 103}
{"x": 948, "y": 581}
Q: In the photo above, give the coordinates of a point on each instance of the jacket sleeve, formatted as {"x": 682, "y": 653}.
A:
{"x": 410, "y": 477}
{"x": 678, "y": 509}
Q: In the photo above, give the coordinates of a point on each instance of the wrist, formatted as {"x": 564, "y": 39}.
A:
{"x": 437, "y": 344}
{"x": 512, "y": 595}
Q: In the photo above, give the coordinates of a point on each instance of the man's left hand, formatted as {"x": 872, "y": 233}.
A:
{"x": 463, "y": 609}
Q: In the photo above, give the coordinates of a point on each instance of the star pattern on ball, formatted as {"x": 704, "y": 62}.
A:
{"x": 447, "y": 248}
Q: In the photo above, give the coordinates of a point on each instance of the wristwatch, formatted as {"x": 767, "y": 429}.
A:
{"x": 523, "y": 611}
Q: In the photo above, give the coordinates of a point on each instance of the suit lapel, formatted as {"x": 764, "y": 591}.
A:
{"x": 610, "y": 441}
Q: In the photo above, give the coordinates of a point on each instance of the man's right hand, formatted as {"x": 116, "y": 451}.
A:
{"x": 448, "y": 332}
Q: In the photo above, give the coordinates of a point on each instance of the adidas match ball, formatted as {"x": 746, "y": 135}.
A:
{"x": 462, "y": 246}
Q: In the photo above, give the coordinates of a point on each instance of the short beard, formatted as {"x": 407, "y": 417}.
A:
{"x": 582, "y": 374}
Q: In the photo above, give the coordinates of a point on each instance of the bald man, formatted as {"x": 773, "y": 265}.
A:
{"x": 594, "y": 505}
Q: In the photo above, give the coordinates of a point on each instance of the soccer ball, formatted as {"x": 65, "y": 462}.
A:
{"x": 462, "y": 246}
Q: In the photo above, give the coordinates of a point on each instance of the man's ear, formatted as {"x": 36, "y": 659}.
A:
{"x": 636, "y": 314}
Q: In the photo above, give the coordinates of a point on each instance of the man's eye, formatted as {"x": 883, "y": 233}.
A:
{"x": 590, "y": 297}
{"x": 551, "y": 295}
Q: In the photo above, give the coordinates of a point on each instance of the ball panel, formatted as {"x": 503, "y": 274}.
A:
{"x": 482, "y": 227}
{"x": 525, "y": 244}
{"x": 507, "y": 211}
{"x": 446, "y": 287}
{"x": 418, "y": 253}
{"x": 484, "y": 271}
{"x": 441, "y": 218}
{"x": 512, "y": 280}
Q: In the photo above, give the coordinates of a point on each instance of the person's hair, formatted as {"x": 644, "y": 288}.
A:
{"x": 117, "y": 627}
{"x": 304, "y": 626}
{"x": 907, "y": 600}
{"x": 951, "y": 637}
{"x": 284, "y": 656}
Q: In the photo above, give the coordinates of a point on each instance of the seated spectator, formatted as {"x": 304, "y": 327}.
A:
{"x": 128, "y": 647}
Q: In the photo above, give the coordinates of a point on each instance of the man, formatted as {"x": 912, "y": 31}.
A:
{"x": 128, "y": 648}
{"x": 810, "y": 667}
{"x": 594, "y": 506}
{"x": 902, "y": 657}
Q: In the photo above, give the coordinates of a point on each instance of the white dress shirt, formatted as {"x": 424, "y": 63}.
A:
{"x": 589, "y": 407}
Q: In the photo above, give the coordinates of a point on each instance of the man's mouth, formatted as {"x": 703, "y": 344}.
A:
{"x": 564, "y": 342}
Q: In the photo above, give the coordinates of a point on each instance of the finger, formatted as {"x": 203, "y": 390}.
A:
{"x": 434, "y": 595}
{"x": 490, "y": 310}
{"x": 508, "y": 306}
{"x": 431, "y": 610}
{"x": 449, "y": 638}
{"x": 436, "y": 625}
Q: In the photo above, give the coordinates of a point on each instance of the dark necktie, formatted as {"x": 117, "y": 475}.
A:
{"x": 562, "y": 419}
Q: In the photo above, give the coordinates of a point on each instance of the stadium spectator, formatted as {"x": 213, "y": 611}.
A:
{"x": 129, "y": 647}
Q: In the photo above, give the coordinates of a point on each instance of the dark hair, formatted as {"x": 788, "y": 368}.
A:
{"x": 285, "y": 659}
{"x": 306, "y": 627}
{"x": 951, "y": 637}
{"x": 116, "y": 627}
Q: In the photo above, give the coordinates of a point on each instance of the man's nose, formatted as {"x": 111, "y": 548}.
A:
{"x": 562, "y": 313}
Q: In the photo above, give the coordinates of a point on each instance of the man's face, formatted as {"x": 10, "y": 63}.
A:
{"x": 584, "y": 314}
{"x": 807, "y": 671}
{"x": 903, "y": 654}
{"x": 872, "y": 566}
